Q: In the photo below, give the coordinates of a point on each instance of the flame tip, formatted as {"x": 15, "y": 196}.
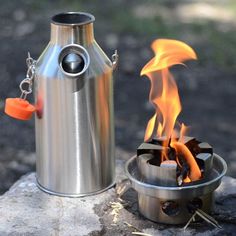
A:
{"x": 165, "y": 98}
{"x": 168, "y": 52}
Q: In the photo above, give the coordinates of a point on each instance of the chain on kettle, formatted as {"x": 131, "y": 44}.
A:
{"x": 28, "y": 81}
{"x": 19, "y": 107}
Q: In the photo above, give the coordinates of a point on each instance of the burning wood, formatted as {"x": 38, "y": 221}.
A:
{"x": 184, "y": 165}
{"x": 183, "y": 174}
{"x": 194, "y": 173}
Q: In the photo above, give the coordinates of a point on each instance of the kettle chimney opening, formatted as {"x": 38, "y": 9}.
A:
{"x": 73, "y": 18}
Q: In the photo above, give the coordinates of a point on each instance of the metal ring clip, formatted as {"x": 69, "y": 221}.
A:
{"x": 25, "y": 92}
{"x": 115, "y": 59}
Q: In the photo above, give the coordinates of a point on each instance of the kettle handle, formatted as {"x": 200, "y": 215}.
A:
{"x": 115, "y": 59}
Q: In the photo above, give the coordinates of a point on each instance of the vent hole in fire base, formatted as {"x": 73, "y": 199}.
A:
{"x": 170, "y": 208}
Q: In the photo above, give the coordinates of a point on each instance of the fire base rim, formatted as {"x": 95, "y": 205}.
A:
{"x": 170, "y": 205}
{"x": 218, "y": 171}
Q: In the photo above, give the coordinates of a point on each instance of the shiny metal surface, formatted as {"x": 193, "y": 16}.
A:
{"x": 151, "y": 197}
{"x": 156, "y": 174}
{"x": 73, "y": 63}
{"x": 74, "y": 122}
{"x": 171, "y": 193}
{"x": 151, "y": 208}
{"x": 73, "y": 195}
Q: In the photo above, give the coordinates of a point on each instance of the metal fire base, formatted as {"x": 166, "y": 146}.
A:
{"x": 172, "y": 205}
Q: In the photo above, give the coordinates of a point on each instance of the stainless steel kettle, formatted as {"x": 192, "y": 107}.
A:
{"x": 74, "y": 100}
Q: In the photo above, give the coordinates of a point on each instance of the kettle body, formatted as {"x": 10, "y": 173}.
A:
{"x": 75, "y": 118}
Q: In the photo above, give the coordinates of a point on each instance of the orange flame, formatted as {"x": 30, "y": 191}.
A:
{"x": 183, "y": 131}
{"x": 165, "y": 98}
{"x": 164, "y": 92}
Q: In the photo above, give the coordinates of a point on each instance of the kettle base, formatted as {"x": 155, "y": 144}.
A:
{"x": 73, "y": 195}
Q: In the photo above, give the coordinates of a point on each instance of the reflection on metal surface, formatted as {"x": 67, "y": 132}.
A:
{"x": 74, "y": 125}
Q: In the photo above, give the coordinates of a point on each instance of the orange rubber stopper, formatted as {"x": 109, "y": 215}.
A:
{"x": 19, "y": 108}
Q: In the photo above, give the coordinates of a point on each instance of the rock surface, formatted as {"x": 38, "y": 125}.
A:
{"x": 26, "y": 210}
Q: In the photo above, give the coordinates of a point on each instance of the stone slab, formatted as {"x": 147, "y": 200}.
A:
{"x": 26, "y": 210}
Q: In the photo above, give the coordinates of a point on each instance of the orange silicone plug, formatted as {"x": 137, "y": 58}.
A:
{"x": 19, "y": 108}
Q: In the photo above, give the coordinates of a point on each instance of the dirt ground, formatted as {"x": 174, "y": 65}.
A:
{"x": 207, "y": 87}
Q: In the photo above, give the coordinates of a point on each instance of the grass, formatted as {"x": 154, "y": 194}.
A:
{"x": 215, "y": 45}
